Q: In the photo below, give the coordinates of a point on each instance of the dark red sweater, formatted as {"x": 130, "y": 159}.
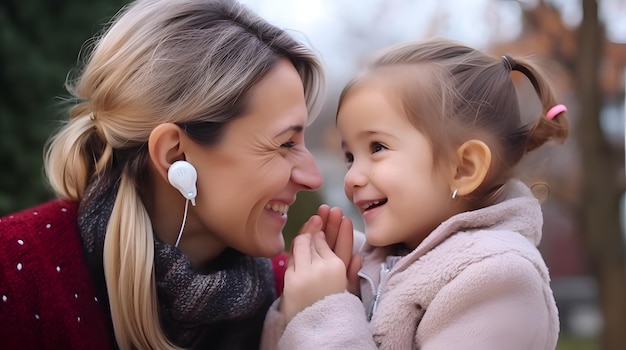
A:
{"x": 47, "y": 297}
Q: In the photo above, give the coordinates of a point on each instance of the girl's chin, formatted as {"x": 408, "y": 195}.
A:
{"x": 374, "y": 239}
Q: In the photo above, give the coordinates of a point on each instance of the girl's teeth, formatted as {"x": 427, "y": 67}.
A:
{"x": 367, "y": 206}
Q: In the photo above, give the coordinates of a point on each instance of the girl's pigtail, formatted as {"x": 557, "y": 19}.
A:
{"x": 552, "y": 123}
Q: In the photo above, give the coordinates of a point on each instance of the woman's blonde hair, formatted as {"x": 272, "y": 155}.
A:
{"x": 190, "y": 62}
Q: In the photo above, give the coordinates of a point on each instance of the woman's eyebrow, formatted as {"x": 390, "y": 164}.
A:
{"x": 295, "y": 128}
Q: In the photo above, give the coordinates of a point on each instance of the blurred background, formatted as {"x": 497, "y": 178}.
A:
{"x": 580, "y": 43}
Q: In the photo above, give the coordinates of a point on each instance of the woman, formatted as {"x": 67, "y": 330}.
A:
{"x": 203, "y": 84}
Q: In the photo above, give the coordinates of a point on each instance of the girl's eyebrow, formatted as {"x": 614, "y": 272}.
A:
{"x": 295, "y": 128}
{"x": 370, "y": 133}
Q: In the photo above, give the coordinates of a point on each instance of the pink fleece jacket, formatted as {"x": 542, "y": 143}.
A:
{"x": 476, "y": 282}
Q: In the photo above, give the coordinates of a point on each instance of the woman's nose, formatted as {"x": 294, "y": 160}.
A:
{"x": 307, "y": 173}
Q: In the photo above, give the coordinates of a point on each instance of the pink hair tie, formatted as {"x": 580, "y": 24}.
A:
{"x": 556, "y": 110}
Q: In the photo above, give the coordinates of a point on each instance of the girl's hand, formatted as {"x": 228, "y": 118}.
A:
{"x": 336, "y": 227}
{"x": 338, "y": 231}
{"x": 313, "y": 272}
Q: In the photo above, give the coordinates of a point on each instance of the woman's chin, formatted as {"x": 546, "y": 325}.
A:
{"x": 269, "y": 247}
{"x": 277, "y": 248}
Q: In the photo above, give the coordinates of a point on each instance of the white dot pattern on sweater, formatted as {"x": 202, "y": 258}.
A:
{"x": 19, "y": 266}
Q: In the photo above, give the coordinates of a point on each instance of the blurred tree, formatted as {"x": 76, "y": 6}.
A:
{"x": 601, "y": 189}
{"x": 589, "y": 66}
{"x": 39, "y": 44}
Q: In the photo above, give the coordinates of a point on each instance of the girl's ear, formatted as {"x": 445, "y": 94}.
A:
{"x": 164, "y": 147}
{"x": 473, "y": 161}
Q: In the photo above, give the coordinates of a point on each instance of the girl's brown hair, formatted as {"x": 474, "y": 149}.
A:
{"x": 454, "y": 93}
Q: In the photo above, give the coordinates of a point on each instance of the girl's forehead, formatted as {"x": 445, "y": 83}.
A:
{"x": 398, "y": 80}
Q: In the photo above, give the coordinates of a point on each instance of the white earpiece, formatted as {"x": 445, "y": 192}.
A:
{"x": 182, "y": 175}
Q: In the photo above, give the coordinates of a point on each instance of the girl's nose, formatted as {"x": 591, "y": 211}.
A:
{"x": 355, "y": 177}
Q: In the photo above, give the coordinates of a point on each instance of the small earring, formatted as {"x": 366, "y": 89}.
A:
{"x": 454, "y": 193}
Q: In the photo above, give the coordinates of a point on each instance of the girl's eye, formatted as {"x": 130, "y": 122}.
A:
{"x": 349, "y": 157}
{"x": 288, "y": 144}
{"x": 377, "y": 147}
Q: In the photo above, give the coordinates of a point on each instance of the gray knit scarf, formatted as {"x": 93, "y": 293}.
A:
{"x": 221, "y": 305}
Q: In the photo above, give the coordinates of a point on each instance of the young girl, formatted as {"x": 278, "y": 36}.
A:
{"x": 432, "y": 134}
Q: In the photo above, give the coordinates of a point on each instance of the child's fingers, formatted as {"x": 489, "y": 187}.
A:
{"x": 312, "y": 225}
{"x": 331, "y": 226}
{"x": 301, "y": 251}
{"x": 321, "y": 246}
{"x": 331, "y": 269}
{"x": 322, "y": 212}
{"x": 345, "y": 241}
{"x": 352, "y": 274}
{"x": 290, "y": 262}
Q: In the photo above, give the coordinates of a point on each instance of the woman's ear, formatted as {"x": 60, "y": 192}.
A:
{"x": 473, "y": 161}
{"x": 164, "y": 147}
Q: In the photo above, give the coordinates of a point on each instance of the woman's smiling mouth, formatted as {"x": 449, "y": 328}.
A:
{"x": 279, "y": 208}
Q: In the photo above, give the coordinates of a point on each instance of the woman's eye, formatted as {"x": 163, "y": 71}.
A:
{"x": 288, "y": 144}
{"x": 377, "y": 147}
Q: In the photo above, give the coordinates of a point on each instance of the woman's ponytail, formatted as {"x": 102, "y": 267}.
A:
{"x": 71, "y": 157}
{"x": 128, "y": 269}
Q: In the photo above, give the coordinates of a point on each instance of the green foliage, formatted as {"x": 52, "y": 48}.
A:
{"x": 306, "y": 204}
{"x": 575, "y": 343}
{"x": 39, "y": 44}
